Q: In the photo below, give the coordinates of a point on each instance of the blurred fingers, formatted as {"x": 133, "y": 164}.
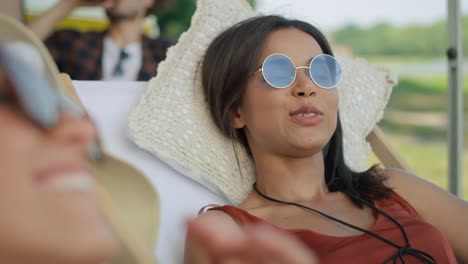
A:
{"x": 277, "y": 247}
{"x": 228, "y": 244}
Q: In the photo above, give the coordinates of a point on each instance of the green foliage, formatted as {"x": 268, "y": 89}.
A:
{"x": 386, "y": 40}
{"x": 428, "y": 159}
{"x": 415, "y": 121}
{"x": 251, "y": 2}
{"x": 176, "y": 19}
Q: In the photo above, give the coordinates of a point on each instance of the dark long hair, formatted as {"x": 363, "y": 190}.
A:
{"x": 229, "y": 62}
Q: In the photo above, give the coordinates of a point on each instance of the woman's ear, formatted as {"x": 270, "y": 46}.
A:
{"x": 238, "y": 120}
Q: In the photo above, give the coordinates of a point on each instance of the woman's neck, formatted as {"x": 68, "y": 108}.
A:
{"x": 292, "y": 179}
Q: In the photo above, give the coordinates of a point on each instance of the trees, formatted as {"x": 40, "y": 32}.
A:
{"x": 387, "y": 40}
{"x": 176, "y": 19}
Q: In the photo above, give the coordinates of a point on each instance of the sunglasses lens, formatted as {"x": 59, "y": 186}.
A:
{"x": 279, "y": 71}
{"x": 325, "y": 71}
{"x": 37, "y": 95}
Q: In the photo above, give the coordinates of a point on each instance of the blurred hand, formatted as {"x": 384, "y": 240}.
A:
{"x": 258, "y": 244}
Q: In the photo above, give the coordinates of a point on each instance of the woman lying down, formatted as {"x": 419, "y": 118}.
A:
{"x": 270, "y": 84}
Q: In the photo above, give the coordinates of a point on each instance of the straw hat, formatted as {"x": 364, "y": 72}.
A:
{"x": 126, "y": 197}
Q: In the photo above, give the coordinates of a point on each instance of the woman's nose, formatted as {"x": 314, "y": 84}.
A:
{"x": 303, "y": 85}
{"x": 78, "y": 132}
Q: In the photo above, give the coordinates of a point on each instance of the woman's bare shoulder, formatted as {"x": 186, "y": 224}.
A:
{"x": 435, "y": 205}
{"x": 205, "y": 231}
{"x": 215, "y": 217}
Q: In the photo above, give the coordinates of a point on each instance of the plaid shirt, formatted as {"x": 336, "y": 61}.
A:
{"x": 80, "y": 54}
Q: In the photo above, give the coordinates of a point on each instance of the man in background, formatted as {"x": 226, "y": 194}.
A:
{"x": 121, "y": 52}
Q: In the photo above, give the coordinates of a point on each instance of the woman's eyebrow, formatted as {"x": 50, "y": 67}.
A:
{"x": 4, "y": 96}
{"x": 311, "y": 58}
{"x": 6, "y": 85}
{"x": 3, "y": 83}
{"x": 3, "y": 73}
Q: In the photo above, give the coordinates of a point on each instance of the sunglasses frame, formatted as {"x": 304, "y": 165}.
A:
{"x": 300, "y": 67}
{"x": 41, "y": 109}
{"x": 37, "y": 95}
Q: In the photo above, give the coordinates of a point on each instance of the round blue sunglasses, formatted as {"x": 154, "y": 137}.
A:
{"x": 279, "y": 71}
{"x": 36, "y": 94}
{"x": 40, "y": 100}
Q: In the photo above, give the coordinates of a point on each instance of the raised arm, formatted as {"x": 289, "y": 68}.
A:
{"x": 43, "y": 25}
{"x": 437, "y": 206}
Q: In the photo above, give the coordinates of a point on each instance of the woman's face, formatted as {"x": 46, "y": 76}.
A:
{"x": 48, "y": 207}
{"x": 296, "y": 121}
{"x": 127, "y": 9}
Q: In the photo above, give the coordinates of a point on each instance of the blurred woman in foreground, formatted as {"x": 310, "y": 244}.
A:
{"x": 48, "y": 203}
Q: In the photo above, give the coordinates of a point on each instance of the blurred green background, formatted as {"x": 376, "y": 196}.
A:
{"x": 177, "y": 18}
{"x": 416, "y": 118}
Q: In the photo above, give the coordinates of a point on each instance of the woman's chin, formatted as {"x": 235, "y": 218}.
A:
{"x": 307, "y": 148}
{"x": 96, "y": 241}
{"x": 89, "y": 248}
{"x": 99, "y": 247}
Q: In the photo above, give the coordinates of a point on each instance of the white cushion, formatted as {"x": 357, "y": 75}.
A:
{"x": 172, "y": 120}
{"x": 109, "y": 104}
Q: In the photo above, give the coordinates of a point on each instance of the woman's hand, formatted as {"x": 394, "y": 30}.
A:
{"x": 213, "y": 241}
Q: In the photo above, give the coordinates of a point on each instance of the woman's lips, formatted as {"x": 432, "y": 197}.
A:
{"x": 77, "y": 182}
{"x": 309, "y": 119}
{"x": 307, "y": 116}
{"x": 67, "y": 179}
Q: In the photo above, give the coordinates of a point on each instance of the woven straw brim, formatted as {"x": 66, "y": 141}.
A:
{"x": 126, "y": 197}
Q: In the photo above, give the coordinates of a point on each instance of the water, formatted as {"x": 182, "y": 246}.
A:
{"x": 431, "y": 67}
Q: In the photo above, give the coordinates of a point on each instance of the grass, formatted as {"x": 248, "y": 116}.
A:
{"x": 429, "y": 83}
{"x": 427, "y": 159}
{"x": 416, "y": 123}
{"x": 425, "y": 95}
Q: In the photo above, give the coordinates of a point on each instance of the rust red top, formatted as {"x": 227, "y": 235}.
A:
{"x": 365, "y": 248}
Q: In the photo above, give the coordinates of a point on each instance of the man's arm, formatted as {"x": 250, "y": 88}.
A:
{"x": 43, "y": 25}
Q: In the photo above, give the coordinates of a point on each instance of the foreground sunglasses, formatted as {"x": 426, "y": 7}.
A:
{"x": 35, "y": 93}
{"x": 279, "y": 71}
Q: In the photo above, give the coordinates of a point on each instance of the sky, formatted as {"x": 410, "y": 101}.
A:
{"x": 332, "y": 14}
